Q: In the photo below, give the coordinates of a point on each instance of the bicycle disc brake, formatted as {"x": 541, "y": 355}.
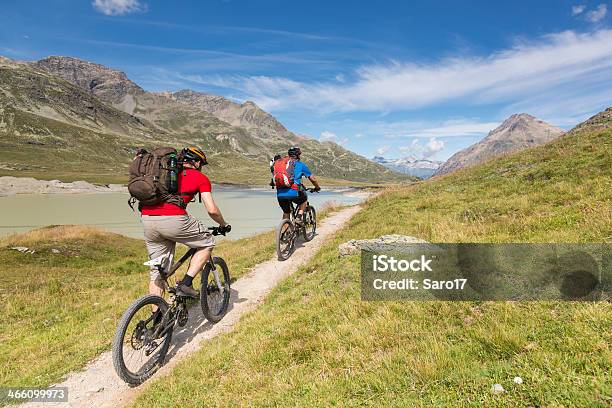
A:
{"x": 287, "y": 237}
{"x": 182, "y": 316}
{"x": 138, "y": 336}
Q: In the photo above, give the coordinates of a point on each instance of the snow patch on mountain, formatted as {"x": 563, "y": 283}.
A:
{"x": 422, "y": 168}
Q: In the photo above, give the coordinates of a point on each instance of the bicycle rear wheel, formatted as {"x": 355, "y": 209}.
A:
{"x": 214, "y": 297}
{"x": 310, "y": 223}
{"x": 285, "y": 239}
{"x": 137, "y": 352}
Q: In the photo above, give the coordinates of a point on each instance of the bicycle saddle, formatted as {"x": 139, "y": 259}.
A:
{"x": 159, "y": 261}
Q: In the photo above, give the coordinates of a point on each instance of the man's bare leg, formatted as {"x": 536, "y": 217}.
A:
{"x": 286, "y": 216}
{"x": 300, "y": 214}
{"x": 302, "y": 208}
{"x": 198, "y": 260}
{"x": 156, "y": 287}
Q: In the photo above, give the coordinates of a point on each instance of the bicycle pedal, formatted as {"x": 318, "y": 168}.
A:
{"x": 181, "y": 294}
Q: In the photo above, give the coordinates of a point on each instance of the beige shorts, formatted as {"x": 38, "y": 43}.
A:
{"x": 162, "y": 232}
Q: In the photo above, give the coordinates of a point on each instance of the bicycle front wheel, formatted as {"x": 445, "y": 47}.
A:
{"x": 310, "y": 223}
{"x": 215, "y": 290}
{"x": 140, "y": 345}
{"x": 285, "y": 239}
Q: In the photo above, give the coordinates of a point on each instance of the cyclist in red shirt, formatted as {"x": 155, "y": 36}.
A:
{"x": 165, "y": 224}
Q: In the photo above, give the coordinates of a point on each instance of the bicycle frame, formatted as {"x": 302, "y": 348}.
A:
{"x": 294, "y": 211}
{"x": 168, "y": 272}
{"x": 169, "y": 312}
{"x": 295, "y": 208}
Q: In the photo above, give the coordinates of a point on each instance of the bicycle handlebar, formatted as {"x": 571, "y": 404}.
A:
{"x": 220, "y": 230}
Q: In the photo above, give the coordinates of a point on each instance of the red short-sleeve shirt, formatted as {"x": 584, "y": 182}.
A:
{"x": 190, "y": 182}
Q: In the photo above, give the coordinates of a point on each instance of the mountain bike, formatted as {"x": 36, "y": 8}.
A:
{"x": 145, "y": 330}
{"x": 288, "y": 231}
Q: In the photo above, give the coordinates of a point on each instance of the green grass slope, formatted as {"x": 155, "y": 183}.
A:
{"x": 314, "y": 343}
{"x": 60, "y": 305}
{"x": 60, "y": 310}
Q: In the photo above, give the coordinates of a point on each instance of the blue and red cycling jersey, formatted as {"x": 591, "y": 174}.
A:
{"x": 300, "y": 170}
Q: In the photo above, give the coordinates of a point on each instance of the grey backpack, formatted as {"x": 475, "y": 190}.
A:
{"x": 154, "y": 178}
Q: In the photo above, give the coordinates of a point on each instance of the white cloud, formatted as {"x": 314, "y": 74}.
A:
{"x": 425, "y": 151}
{"x": 257, "y": 30}
{"x": 593, "y": 16}
{"x": 598, "y": 14}
{"x": 510, "y": 75}
{"x": 574, "y": 107}
{"x": 118, "y": 7}
{"x": 578, "y": 9}
{"x": 327, "y": 136}
{"x": 434, "y": 146}
{"x": 450, "y": 128}
{"x": 417, "y": 129}
{"x": 382, "y": 150}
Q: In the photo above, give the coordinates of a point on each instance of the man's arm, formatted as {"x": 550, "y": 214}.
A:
{"x": 314, "y": 182}
{"x": 212, "y": 209}
{"x": 305, "y": 171}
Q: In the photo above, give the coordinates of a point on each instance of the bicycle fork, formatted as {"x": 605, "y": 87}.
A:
{"x": 216, "y": 275}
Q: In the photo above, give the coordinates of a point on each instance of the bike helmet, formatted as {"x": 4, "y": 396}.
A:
{"x": 294, "y": 152}
{"x": 192, "y": 154}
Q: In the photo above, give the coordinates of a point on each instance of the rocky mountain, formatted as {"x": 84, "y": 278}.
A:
{"x": 166, "y": 116}
{"x": 518, "y": 132}
{"x": 596, "y": 123}
{"x": 247, "y": 114}
{"x": 60, "y": 113}
{"x": 52, "y": 128}
{"x": 107, "y": 84}
{"x": 421, "y": 168}
{"x": 38, "y": 93}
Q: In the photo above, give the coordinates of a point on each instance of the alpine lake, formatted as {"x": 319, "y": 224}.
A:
{"x": 249, "y": 211}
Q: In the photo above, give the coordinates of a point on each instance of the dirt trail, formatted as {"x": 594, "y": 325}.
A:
{"x": 98, "y": 386}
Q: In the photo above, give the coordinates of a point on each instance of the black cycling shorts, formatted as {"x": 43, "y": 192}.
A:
{"x": 285, "y": 202}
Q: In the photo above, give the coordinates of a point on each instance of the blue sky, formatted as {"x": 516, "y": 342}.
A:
{"x": 395, "y": 78}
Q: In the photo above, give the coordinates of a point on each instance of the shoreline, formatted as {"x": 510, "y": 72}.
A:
{"x": 11, "y": 186}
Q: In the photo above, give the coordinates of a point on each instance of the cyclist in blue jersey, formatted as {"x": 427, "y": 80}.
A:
{"x": 296, "y": 193}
